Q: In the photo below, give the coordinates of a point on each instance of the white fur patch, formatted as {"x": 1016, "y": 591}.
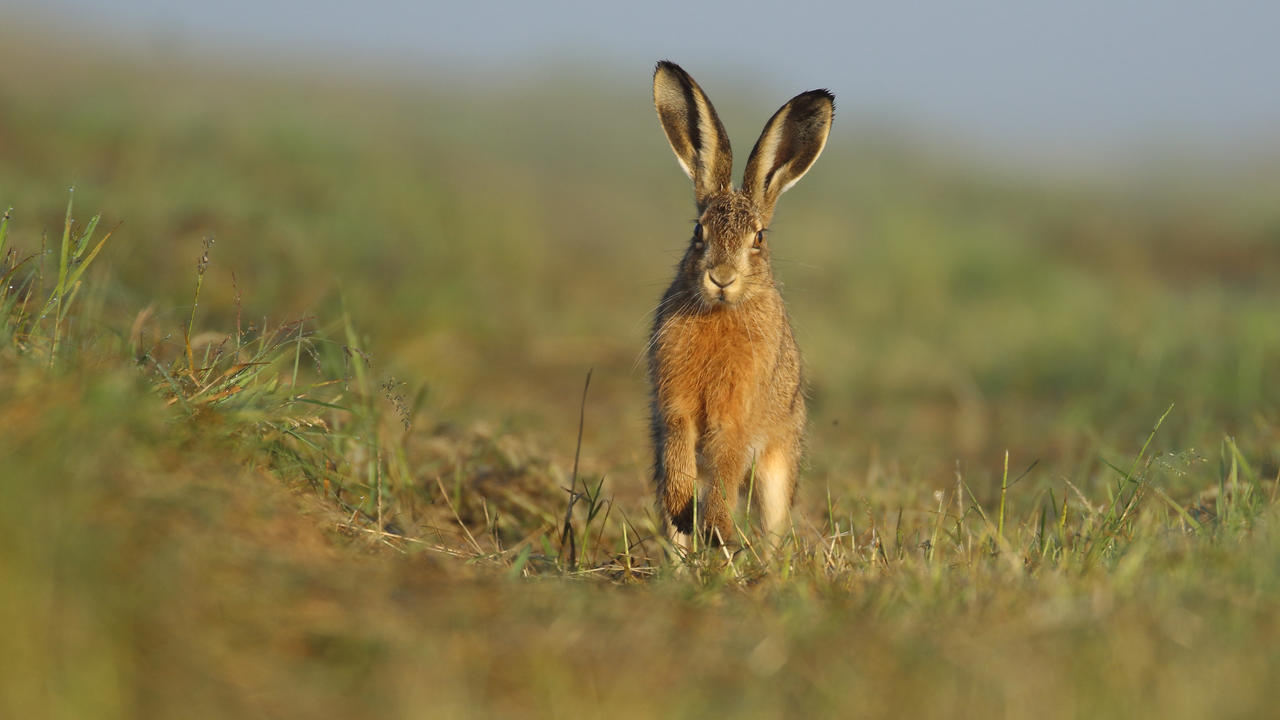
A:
{"x": 773, "y": 487}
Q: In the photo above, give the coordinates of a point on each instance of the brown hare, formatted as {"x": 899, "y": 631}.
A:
{"x": 728, "y": 400}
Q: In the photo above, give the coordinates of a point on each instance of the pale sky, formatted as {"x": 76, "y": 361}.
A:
{"x": 1094, "y": 74}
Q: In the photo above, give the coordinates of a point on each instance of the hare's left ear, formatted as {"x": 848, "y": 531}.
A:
{"x": 791, "y": 142}
{"x": 694, "y": 130}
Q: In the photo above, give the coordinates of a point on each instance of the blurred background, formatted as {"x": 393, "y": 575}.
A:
{"x": 1035, "y": 227}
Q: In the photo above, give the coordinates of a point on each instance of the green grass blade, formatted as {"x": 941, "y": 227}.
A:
{"x": 4, "y": 229}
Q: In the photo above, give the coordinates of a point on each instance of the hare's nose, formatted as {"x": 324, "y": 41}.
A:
{"x": 722, "y": 275}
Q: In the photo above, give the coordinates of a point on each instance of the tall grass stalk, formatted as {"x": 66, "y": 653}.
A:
{"x": 75, "y": 256}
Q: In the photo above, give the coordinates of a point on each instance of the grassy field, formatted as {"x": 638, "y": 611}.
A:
{"x": 291, "y": 430}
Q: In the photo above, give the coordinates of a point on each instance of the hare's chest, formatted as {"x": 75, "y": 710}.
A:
{"x": 712, "y": 363}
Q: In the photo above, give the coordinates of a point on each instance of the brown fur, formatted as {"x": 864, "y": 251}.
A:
{"x": 728, "y": 394}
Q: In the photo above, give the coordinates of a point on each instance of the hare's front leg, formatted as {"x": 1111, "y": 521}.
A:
{"x": 677, "y": 475}
{"x": 729, "y": 458}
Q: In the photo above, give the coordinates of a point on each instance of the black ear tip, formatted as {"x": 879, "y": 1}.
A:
{"x": 814, "y": 98}
{"x": 674, "y": 70}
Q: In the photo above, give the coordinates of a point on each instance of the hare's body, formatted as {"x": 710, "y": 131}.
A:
{"x": 728, "y": 404}
{"x": 728, "y": 394}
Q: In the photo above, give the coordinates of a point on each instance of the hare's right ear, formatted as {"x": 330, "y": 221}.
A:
{"x": 694, "y": 131}
{"x": 791, "y": 142}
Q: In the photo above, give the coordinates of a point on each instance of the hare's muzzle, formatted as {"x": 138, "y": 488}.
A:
{"x": 722, "y": 276}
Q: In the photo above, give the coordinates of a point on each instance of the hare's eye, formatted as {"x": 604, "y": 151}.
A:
{"x": 759, "y": 242}
{"x": 697, "y": 234}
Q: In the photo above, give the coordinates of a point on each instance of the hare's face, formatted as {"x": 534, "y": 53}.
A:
{"x": 728, "y": 259}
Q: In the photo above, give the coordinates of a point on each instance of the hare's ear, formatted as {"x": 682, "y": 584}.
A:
{"x": 792, "y": 140}
{"x": 694, "y": 131}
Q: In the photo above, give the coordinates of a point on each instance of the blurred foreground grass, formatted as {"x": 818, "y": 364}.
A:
{"x": 335, "y": 486}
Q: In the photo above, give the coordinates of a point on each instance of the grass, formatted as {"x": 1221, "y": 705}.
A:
{"x": 335, "y": 423}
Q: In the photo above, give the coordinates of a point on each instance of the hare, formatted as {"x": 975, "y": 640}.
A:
{"x": 728, "y": 395}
